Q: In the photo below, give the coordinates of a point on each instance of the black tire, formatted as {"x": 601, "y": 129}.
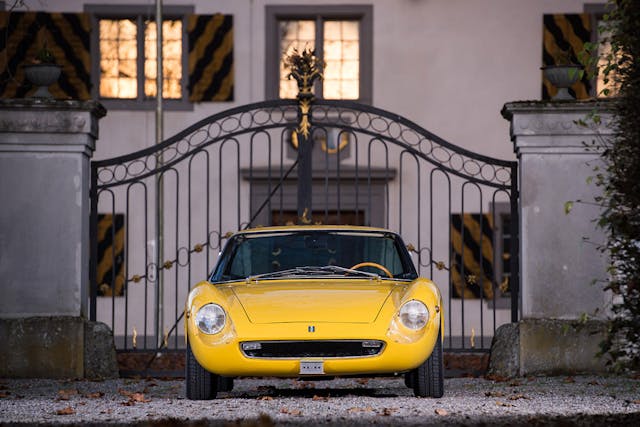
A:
{"x": 225, "y": 384}
{"x": 200, "y": 383}
{"x": 429, "y": 377}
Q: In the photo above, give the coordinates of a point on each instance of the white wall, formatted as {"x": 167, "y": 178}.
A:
{"x": 448, "y": 65}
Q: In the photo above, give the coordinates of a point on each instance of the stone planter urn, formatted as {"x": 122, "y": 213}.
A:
{"x": 42, "y": 76}
{"x": 562, "y": 77}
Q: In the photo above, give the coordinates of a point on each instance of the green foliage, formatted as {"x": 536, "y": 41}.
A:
{"x": 620, "y": 218}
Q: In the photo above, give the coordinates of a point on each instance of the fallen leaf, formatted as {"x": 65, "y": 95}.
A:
{"x": 494, "y": 394}
{"x": 265, "y": 398}
{"x": 498, "y": 403}
{"x": 66, "y": 394}
{"x": 95, "y": 395}
{"x": 594, "y": 382}
{"x": 139, "y": 397}
{"x": 637, "y": 402}
{"x": 124, "y": 392}
{"x": 387, "y": 411}
{"x": 354, "y": 409}
{"x": 290, "y": 411}
{"x": 515, "y": 383}
{"x": 517, "y": 397}
{"x": 569, "y": 380}
{"x": 66, "y": 411}
{"x": 441, "y": 412}
{"x": 320, "y": 398}
{"x": 363, "y": 381}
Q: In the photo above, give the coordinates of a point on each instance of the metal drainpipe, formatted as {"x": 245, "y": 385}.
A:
{"x": 160, "y": 186}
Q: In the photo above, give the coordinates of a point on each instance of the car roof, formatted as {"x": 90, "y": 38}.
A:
{"x": 290, "y": 228}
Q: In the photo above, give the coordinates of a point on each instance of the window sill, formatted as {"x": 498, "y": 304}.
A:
{"x": 133, "y": 105}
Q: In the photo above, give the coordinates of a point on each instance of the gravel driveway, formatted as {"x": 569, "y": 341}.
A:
{"x": 381, "y": 401}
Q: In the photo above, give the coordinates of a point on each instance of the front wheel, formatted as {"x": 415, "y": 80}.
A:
{"x": 428, "y": 378}
{"x": 200, "y": 383}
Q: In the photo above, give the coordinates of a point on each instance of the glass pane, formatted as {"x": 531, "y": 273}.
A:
{"x": 342, "y": 54}
{"x": 299, "y": 35}
{"x": 171, "y": 61}
{"x": 118, "y": 55}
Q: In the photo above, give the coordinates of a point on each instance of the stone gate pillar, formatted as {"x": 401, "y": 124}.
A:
{"x": 559, "y": 258}
{"x": 45, "y": 151}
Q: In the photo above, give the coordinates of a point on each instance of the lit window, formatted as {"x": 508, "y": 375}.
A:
{"x": 339, "y": 35}
{"x": 171, "y": 61}
{"x": 119, "y": 53}
{"x": 118, "y": 58}
{"x": 340, "y": 51}
{"x": 342, "y": 57}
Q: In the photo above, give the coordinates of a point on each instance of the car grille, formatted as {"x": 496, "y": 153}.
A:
{"x": 300, "y": 349}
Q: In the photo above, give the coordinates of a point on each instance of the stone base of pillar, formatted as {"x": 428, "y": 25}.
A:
{"x": 56, "y": 347}
{"x": 548, "y": 347}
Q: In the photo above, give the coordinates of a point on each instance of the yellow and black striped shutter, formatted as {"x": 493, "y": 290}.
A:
{"x": 66, "y": 35}
{"x": 111, "y": 261}
{"x": 565, "y": 34}
{"x": 210, "y": 57}
{"x": 472, "y": 256}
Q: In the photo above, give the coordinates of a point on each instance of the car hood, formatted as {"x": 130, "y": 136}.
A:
{"x": 342, "y": 301}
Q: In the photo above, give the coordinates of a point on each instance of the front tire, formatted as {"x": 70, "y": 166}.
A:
{"x": 200, "y": 383}
{"x": 428, "y": 378}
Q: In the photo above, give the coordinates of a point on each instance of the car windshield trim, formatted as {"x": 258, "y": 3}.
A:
{"x": 310, "y": 271}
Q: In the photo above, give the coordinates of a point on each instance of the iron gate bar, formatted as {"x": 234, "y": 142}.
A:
{"x": 382, "y": 129}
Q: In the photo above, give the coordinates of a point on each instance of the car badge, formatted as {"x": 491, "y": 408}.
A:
{"x": 311, "y": 328}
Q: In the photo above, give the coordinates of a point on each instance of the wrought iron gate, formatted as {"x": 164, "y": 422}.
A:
{"x": 160, "y": 216}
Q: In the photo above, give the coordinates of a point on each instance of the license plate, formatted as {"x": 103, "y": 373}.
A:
{"x": 311, "y": 367}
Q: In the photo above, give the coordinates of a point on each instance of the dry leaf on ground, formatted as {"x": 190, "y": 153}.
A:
{"x": 66, "y": 394}
{"x": 441, "y": 412}
{"x": 290, "y": 411}
{"x": 96, "y": 395}
{"x": 517, "y": 397}
{"x": 66, "y": 411}
{"x": 494, "y": 394}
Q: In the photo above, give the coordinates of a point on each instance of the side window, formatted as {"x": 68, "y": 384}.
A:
{"x": 340, "y": 35}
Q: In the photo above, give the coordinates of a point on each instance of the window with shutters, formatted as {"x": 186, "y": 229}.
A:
{"x": 340, "y": 35}
{"x": 124, "y": 56}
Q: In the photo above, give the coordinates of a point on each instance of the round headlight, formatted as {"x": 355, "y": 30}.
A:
{"x": 211, "y": 318}
{"x": 414, "y": 315}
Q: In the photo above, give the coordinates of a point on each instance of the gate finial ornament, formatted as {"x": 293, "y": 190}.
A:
{"x": 305, "y": 68}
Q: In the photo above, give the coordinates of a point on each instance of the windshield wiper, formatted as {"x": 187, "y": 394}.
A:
{"x": 331, "y": 270}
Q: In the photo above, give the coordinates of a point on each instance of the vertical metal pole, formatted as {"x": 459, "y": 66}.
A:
{"x": 304, "y": 178}
{"x": 93, "y": 242}
{"x": 515, "y": 246}
{"x": 159, "y": 187}
{"x": 305, "y": 69}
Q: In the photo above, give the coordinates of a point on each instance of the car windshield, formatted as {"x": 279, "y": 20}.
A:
{"x": 313, "y": 253}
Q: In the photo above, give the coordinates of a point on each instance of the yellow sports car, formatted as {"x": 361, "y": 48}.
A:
{"x": 314, "y": 301}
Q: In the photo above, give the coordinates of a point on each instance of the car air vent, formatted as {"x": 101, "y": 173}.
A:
{"x": 300, "y": 349}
